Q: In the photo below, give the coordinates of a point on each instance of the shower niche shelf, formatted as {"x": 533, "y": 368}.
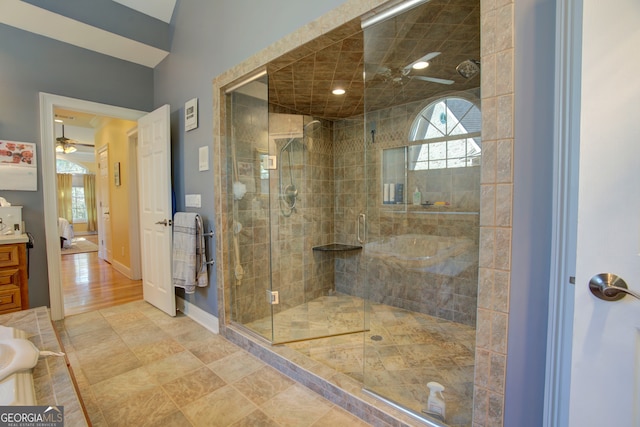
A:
{"x": 336, "y": 247}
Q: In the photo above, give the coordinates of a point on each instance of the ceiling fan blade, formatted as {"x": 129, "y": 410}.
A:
{"x": 434, "y": 80}
{"x": 425, "y": 58}
{"x": 377, "y": 69}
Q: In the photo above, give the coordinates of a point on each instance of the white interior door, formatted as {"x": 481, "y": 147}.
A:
{"x": 154, "y": 180}
{"x": 104, "y": 219}
{"x": 605, "y": 375}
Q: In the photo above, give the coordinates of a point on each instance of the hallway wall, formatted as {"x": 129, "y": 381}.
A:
{"x": 33, "y": 64}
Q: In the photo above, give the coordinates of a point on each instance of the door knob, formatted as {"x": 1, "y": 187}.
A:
{"x": 164, "y": 222}
{"x": 610, "y": 287}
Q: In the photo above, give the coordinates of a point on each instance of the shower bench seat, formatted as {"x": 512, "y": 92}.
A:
{"x": 336, "y": 247}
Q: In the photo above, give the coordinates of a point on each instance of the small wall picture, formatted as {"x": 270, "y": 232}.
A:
{"x": 116, "y": 174}
{"x": 18, "y": 170}
{"x": 191, "y": 114}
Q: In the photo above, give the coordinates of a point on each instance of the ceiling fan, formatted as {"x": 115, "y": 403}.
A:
{"x": 398, "y": 76}
{"x": 66, "y": 145}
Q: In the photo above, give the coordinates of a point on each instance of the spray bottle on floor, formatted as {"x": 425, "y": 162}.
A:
{"x": 435, "y": 403}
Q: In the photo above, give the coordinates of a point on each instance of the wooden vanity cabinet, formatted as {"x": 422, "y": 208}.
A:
{"x": 14, "y": 286}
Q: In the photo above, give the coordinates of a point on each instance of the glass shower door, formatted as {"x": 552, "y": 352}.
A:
{"x": 248, "y": 184}
{"x": 420, "y": 259}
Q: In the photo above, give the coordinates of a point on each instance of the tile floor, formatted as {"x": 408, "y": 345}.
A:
{"x": 136, "y": 366}
{"x": 407, "y": 351}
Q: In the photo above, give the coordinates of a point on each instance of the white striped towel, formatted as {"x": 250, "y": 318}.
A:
{"x": 189, "y": 259}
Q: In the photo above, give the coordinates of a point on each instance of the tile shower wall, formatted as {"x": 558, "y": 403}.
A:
{"x": 330, "y": 179}
{"x": 452, "y": 297}
{"x": 301, "y": 274}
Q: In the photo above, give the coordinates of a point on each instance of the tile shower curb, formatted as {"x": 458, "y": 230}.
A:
{"x": 373, "y": 411}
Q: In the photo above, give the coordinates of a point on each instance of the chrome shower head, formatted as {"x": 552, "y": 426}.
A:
{"x": 312, "y": 122}
{"x": 468, "y": 68}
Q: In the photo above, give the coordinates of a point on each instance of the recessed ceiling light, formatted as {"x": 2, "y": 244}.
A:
{"x": 420, "y": 65}
{"x": 338, "y": 91}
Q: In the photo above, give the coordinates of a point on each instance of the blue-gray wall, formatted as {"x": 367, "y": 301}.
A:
{"x": 532, "y": 203}
{"x": 209, "y": 37}
{"x": 30, "y": 64}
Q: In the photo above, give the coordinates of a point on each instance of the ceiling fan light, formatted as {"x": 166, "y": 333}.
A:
{"x": 338, "y": 91}
{"x": 68, "y": 149}
{"x": 59, "y": 148}
{"x": 420, "y": 65}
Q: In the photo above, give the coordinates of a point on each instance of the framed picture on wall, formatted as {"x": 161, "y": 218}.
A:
{"x": 18, "y": 170}
{"x": 116, "y": 174}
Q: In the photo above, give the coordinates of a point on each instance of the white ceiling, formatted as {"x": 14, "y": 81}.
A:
{"x": 28, "y": 17}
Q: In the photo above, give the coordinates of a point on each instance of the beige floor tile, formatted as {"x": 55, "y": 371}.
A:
{"x": 195, "y": 337}
{"x": 214, "y": 349}
{"x": 153, "y": 351}
{"x": 193, "y": 386}
{"x": 263, "y": 384}
{"x": 176, "y": 325}
{"x": 144, "y": 332}
{"x": 124, "y": 320}
{"x": 175, "y": 419}
{"x": 257, "y": 419}
{"x": 338, "y": 417}
{"x": 114, "y": 391}
{"x": 148, "y": 370}
{"x": 106, "y": 360}
{"x": 296, "y": 407}
{"x": 144, "y": 408}
{"x": 83, "y": 323}
{"x": 98, "y": 420}
{"x": 232, "y": 368}
{"x": 92, "y": 338}
{"x": 173, "y": 367}
{"x": 222, "y": 407}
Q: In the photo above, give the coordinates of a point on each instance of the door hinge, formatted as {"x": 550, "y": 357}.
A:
{"x": 572, "y": 280}
{"x": 273, "y": 297}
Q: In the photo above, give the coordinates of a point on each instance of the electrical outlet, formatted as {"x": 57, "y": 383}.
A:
{"x": 273, "y": 297}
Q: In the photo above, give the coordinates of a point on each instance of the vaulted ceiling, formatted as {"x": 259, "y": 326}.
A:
{"x": 303, "y": 79}
{"x": 133, "y": 30}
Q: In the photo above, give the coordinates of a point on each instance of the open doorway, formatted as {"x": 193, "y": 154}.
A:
{"x": 92, "y": 276}
{"x": 116, "y": 274}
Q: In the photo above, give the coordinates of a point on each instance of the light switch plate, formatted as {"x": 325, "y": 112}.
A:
{"x": 192, "y": 201}
{"x": 203, "y": 159}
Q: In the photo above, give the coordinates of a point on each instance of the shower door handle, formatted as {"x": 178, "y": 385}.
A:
{"x": 361, "y": 218}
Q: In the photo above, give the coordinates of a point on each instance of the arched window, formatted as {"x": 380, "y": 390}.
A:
{"x": 449, "y": 130}
{"x": 65, "y": 166}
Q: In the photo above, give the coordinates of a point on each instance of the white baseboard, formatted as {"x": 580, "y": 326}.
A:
{"x": 121, "y": 268}
{"x": 207, "y": 320}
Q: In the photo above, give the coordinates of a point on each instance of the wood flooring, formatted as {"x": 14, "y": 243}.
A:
{"x": 90, "y": 283}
